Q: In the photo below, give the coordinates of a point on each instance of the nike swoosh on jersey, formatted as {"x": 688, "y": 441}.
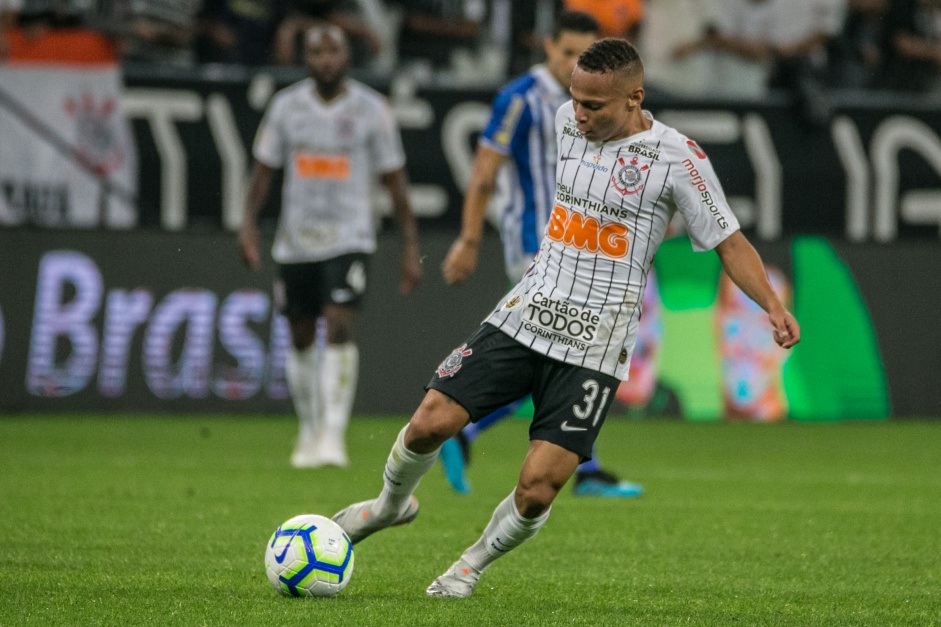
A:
{"x": 567, "y": 427}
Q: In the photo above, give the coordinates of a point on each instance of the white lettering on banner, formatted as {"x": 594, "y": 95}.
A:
{"x": 22, "y": 200}
{"x": 178, "y": 337}
{"x": 849, "y": 146}
{"x": 55, "y": 319}
{"x": 124, "y": 313}
{"x": 194, "y": 310}
{"x": 768, "y": 175}
{"x": 893, "y": 135}
{"x": 279, "y": 345}
{"x": 245, "y": 379}
{"x": 163, "y": 108}
{"x": 234, "y": 157}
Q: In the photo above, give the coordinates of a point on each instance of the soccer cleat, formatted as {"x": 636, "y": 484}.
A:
{"x": 455, "y": 463}
{"x": 306, "y": 455}
{"x": 601, "y": 483}
{"x": 332, "y": 452}
{"x": 359, "y": 522}
{"x": 457, "y": 582}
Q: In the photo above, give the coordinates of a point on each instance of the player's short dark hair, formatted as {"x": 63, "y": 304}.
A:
{"x": 575, "y": 22}
{"x": 611, "y": 55}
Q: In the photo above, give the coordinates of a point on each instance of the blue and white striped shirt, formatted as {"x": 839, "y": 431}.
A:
{"x": 522, "y": 127}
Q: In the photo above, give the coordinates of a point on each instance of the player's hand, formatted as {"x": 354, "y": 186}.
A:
{"x": 785, "y": 330}
{"x": 460, "y": 261}
{"x": 411, "y": 269}
{"x": 248, "y": 242}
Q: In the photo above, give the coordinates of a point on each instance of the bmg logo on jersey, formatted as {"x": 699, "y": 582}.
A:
{"x": 587, "y": 233}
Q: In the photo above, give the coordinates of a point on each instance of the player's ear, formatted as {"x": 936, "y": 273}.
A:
{"x": 636, "y": 97}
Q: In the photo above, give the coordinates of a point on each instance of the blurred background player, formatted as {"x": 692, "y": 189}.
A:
{"x": 330, "y": 134}
{"x": 518, "y": 146}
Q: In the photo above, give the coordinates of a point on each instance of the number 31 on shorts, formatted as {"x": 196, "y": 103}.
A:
{"x": 584, "y": 410}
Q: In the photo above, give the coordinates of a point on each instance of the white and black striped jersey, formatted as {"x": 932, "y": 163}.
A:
{"x": 580, "y": 301}
{"x": 330, "y": 152}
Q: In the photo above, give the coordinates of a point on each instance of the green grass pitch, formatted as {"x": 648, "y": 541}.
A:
{"x": 147, "y": 520}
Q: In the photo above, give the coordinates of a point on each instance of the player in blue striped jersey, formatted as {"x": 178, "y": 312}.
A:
{"x": 515, "y": 167}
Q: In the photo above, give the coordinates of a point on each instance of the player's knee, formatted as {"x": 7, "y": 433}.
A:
{"x": 437, "y": 419}
{"x": 340, "y": 334}
{"x": 303, "y": 333}
{"x": 535, "y": 496}
{"x": 340, "y": 324}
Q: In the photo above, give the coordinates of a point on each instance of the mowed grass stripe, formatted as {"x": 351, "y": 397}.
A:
{"x": 163, "y": 521}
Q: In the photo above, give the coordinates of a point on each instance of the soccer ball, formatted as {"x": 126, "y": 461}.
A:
{"x": 309, "y": 555}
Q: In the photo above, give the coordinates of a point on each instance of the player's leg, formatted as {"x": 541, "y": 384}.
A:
{"x": 338, "y": 376}
{"x": 296, "y": 299}
{"x": 486, "y": 372}
{"x": 341, "y": 291}
{"x": 570, "y": 407}
{"x": 516, "y": 519}
{"x": 414, "y": 452}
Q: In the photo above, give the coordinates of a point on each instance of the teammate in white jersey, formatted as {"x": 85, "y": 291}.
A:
{"x": 331, "y": 135}
{"x": 566, "y": 332}
{"x": 517, "y": 154}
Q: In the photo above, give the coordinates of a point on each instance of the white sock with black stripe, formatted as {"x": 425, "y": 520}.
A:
{"x": 506, "y": 530}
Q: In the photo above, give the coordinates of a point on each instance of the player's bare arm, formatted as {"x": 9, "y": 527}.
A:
{"x": 257, "y": 193}
{"x": 744, "y": 266}
{"x": 461, "y": 260}
{"x": 396, "y": 182}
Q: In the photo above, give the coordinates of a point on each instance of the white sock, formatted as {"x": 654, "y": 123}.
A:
{"x": 404, "y": 470}
{"x": 506, "y": 530}
{"x": 303, "y": 380}
{"x": 338, "y": 371}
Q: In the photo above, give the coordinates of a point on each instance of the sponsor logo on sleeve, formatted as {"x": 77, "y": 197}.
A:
{"x": 695, "y": 149}
{"x": 699, "y": 182}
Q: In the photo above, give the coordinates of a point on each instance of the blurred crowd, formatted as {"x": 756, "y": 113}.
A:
{"x": 691, "y": 47}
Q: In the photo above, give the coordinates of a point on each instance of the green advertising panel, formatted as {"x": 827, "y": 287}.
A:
{"x": 717, "y": 359}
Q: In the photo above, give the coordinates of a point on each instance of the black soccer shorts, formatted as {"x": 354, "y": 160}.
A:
{"x": 304, "y": 289}
{"x": 491, "y": 370}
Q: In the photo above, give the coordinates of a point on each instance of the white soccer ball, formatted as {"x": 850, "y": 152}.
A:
{"x": 309, "y": 555}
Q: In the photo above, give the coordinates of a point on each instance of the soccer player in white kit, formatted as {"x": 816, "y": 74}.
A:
{"x": 566, "y": 332}
{"x": 515, "y": 160}
{"x": 331, "y": 135}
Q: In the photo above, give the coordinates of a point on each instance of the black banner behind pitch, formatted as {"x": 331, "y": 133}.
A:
{"x": 871, "y": 173}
